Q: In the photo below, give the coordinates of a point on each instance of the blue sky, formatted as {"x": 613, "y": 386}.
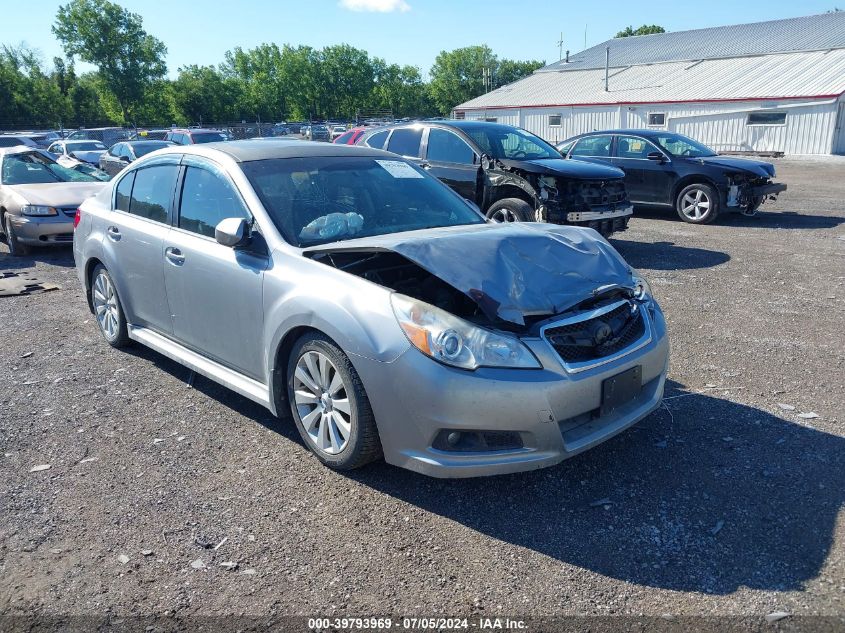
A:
{"x": 401, "y": 31}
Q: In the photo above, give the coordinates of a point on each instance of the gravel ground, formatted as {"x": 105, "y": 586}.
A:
{"x": 726, "y": 501}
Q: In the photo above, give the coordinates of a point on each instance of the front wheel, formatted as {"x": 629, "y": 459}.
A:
{"x": 16, "y": 247}
{"x": 329, "y": 404}
{"x": 697, "y": 204}
{"x": 510, "y": 210}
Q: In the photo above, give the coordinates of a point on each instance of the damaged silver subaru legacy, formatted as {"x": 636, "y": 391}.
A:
{"x": 350, "y": 287}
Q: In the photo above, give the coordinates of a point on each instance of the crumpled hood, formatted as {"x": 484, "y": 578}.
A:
{"x": 565, "y": 167}
{"x": 59, "y": 194}
{"x": 755, "y": 167}
{"x": 90, "y": 156}
{"x": 511, "y": 271}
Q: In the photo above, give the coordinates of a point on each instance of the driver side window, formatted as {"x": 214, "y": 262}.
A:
{"x": 206, "y": 200}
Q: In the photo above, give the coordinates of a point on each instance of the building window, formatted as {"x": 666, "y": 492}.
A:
{"x": 554, "y": 119}
{"x": 460, "y": 114}
{"x": 657, "y": 119}
{"x": 767, "y": 118}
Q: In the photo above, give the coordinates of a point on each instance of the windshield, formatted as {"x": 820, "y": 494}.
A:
{"x": 142, "y": 149}
{"x": 678, "y": 145}
{"x": 501, "y": 141}
{"x": 328, "y": 198}
{"x": 85, "y": 146}
{"x": 34, "y": 168}
{"x": 207, "y": 137}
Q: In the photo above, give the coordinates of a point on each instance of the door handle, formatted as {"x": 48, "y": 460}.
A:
{"x": 113, "y": 233}
{"x": 174, "y": 256}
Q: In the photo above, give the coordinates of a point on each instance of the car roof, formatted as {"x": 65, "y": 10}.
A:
{"x": 145, "y": 141}
{"x": 193, "y": 130}
{"x": 248, "y": 150}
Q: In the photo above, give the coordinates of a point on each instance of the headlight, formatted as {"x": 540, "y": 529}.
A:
{"x": 453, "y": 341}
{"x": 37, "y": 210}
{"x": 642, "y": 291}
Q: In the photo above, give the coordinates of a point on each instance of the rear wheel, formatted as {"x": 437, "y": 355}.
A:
{"x": 107, "y": 308}
{"x": 329, "y": 404}
{"x": 697, "y": 204}
{"x": 510, "y": 210}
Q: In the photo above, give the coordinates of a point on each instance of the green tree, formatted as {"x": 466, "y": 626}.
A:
{"x": 399, "y": 89}
{"x": 202, "y": 93}
{"x": 510, "y": 70}
{"x": 128, "y": 59}
{"x": 645, "y": 29}
{"x": 458, "y": 75}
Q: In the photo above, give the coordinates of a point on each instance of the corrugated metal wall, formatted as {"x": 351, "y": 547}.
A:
{"x": 809, "y": 127}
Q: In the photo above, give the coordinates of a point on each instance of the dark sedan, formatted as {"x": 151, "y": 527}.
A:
{"x": 510, "y": 174}
{"x": 667, "y": 169}
{"x": 121, "y": 154}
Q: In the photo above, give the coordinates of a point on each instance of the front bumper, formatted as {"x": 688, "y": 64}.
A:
{"x": 50, "y": 229}
{"x": 601, "y": 213}
{"x": 554, "y": 411}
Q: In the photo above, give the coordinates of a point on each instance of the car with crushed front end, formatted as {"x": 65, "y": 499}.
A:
{"x": 511, "y": 174}
{"x": 39, "y": 198}
{"x": 671, "y": 170}
{"x": 353, "y": 289}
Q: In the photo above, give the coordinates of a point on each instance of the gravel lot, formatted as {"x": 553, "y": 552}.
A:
{"x": 724, "y": 502}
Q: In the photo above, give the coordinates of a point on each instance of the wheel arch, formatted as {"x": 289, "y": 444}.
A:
{"x": 90, "y": 265}
{"x": 692, "y": 179}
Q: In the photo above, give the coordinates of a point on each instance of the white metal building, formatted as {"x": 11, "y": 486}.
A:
{"x": 765, "y": 87}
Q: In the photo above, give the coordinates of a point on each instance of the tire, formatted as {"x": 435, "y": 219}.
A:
{"x": 697, "y": 203}
{"x": 108, "y": 309}
{"x": 752, "y": 208}
{"x": 342, "y": 437}
{"x": 510, "y": 210}
{"x": 16, "y": 247}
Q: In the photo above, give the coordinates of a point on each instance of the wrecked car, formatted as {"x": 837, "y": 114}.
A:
{"x": 671, "y": 170}
{"x": 511, "y": 174}
{"x": 39, "y": 198}
{"x": 352, "y": 289}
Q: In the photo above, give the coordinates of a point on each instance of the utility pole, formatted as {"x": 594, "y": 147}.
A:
{"x": 487, "y": 79}
{"x": 560, "y": 46}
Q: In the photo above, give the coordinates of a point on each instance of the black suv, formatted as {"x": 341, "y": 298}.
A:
{"x": 512, "y": 175}
{"x": 667, "y": 169}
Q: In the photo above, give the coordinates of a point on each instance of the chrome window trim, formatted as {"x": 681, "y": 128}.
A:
{"x": 574, "y": 368}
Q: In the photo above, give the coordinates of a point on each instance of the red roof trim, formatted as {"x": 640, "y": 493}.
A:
{"x": 626, "y": 103}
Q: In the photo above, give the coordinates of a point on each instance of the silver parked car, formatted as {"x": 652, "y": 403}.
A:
{"x": 348, "y": 286}
{"x": 39, "y": 198}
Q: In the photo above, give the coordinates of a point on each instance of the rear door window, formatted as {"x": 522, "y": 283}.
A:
{"x": 376, "y": 141}
{"x": 123, "y": 192}
{"x": 153, "y": 192}
{"x": 206, "y": 200}
{"x": 406, "y": 141}
{"x": 593, "y": 146}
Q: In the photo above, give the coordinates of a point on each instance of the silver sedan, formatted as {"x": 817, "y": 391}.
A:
{"x": 348, "y": 286}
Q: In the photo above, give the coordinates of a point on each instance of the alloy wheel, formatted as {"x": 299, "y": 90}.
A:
{"x": 695, "y": 204}
{"x": 504, "y": 215}
{"x": 104, "y": 299}
{"x": 322, "y": 402}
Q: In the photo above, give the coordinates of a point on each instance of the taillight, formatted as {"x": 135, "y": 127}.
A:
{"x": 77, "y": 218}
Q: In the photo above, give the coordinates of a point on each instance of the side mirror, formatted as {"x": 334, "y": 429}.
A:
{"x": 656, "y": 156}
{"x": 232, "y": 232}
{"x": 124, "y": 159}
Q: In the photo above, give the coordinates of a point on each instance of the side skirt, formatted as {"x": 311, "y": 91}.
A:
{"x": 247, "y": 387}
